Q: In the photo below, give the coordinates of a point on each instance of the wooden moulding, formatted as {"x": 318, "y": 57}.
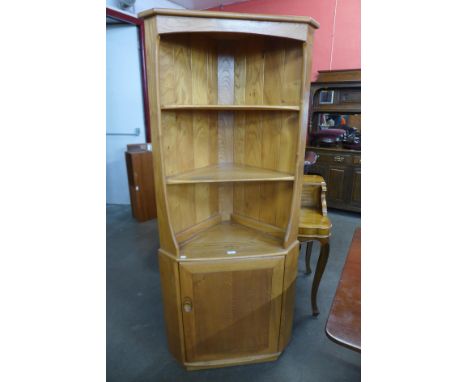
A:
{"x": 293, "y": 224}
{"x": 228, "y": 172}
{"x": 230, "y": 15}
{"x": 166, "y": 234}
{"x": 175, "y": 24}
{"x": 232, "y": 362}
{"x": 232, "y": 107}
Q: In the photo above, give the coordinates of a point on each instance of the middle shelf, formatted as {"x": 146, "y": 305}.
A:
{"x": 229, "y": 172}
{"x": 228, "y": 107}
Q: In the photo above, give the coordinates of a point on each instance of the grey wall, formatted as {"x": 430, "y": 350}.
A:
{"x": 124, "y": 106}
{"x": 141, "y": 5}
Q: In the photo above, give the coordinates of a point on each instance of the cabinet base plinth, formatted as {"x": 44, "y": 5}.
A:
{"x": 231, "y": 361}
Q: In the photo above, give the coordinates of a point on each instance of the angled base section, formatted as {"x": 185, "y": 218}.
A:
{"x": 231, "y": 362}
{"x": 228, "y": 311}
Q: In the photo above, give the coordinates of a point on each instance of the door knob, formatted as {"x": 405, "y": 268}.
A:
{"x": 187, "y": 305}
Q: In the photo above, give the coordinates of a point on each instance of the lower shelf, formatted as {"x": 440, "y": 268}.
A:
{"x": 230, "y": 240}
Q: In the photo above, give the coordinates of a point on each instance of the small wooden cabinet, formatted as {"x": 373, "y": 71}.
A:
{"x": 141, "y": 182}
{"x": 228, "y": 98}
{"x": 339, "y": 165}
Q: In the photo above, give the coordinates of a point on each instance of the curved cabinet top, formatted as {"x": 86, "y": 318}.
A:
{"x": 173, "y": 21}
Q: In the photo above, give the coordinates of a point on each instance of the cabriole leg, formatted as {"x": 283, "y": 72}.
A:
{"x": 321, "y": 264}
{"x": 307, "y": 257}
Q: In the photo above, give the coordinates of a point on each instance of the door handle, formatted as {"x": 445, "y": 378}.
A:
{"x": 338, "y": 158}
{"x": 187, "y": 305}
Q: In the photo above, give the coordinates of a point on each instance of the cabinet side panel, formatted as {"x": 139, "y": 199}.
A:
{"x": 166, "y": 72}
{"x": 169, "y": 275}
{"x": 306, "y": 61}
{"x": 166, "y": 235}
{"x": 289, "y": 295}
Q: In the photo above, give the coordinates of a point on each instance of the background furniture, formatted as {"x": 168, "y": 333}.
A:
{"x": 314, "y": 224}
{"x": 229, "y": 104}
{"x": 141, "y": 181}
{"x": 344, "y": 321}
{"x": 339, "y": 163}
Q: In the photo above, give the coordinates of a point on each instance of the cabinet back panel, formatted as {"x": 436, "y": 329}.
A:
{"x": 190, "y": 204}
{"x": 190, "y": 140}
{"x": 188, "y": 70}
{"x": 266, "y": 202}
{"x": 199, "y": 69}
{"x": 266, "y": 139}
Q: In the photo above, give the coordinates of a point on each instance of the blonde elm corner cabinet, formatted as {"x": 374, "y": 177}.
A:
{"x": 229, "y": 96}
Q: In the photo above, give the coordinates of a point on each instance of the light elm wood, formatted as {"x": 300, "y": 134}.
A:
{"x": 289, "y": 295}
{"x": 229, "y": 172}
{"x": 167, "y": 237}
{"x": 230, "y": 15}
{"x": 291, "y": 231}
{"x": 314, "y": 224}
{"x": 227, "y": 108}
{"x": 180, "y": 24}
{"x": 233, "y": 307}
{"x": 169, "y": 271}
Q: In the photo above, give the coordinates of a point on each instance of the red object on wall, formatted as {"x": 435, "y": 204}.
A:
{"x": 337, "y": 44}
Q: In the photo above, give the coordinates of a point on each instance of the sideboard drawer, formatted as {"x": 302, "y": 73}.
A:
{"x": 357, "y": 159}
{"x": 335, "y": 158}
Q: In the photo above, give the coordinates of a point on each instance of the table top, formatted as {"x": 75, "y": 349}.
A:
{"x": 344, "y": 321}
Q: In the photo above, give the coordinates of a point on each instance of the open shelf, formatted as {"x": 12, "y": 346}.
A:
{"x": 230, "y": 240}
{"x": 337, "y": 108}
{"x": 231, "y": 107}
{"x": 229, "y": 172}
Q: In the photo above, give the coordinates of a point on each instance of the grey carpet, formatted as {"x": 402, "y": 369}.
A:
{"x": 136, "y": 342}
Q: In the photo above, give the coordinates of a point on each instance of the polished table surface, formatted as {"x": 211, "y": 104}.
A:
{"x": 344, "y": 321}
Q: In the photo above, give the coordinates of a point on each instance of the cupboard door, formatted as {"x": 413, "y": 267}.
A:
{"x": 231, "y": 308}
{"x": 356, "y": 188}
{"x": 336, "y": 184}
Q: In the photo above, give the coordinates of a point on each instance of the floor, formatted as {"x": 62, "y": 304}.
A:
{"x": 136, "y": 342}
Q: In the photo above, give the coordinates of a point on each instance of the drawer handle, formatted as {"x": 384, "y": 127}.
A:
{"x": 338, "y": 158}
{"x": 187, "y": 305}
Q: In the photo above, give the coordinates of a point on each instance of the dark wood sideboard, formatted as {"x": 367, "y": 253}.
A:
{"x": 339, "y": 165}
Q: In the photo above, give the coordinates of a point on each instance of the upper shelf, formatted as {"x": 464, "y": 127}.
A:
{"x": 231, "y": 107}
{"x": 229, "y": 172}
{"x": 338, "y": 108}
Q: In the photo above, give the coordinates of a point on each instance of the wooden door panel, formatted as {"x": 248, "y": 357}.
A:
{"x": 336, "y": 183}
{"x": 235, "y": 307}
{"x": 356, "y": 188}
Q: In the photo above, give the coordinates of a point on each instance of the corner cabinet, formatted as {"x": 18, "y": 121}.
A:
{"x": 229, "y": 97}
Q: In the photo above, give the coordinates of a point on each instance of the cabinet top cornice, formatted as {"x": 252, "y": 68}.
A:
{"x": 229, "y": 15}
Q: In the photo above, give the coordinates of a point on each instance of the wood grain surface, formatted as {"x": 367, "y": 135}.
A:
{"x": 344, "y": 321}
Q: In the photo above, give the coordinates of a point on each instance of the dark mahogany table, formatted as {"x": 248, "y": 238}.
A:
{"x": 344, "y": 321}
